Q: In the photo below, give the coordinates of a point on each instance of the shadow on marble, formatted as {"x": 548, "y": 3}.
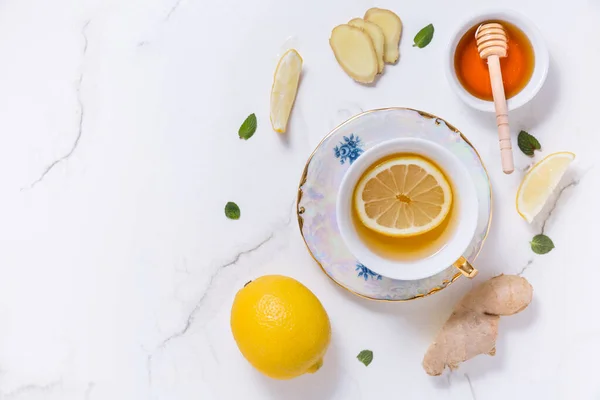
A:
{"x": 529, "y": 116}
{"x": 321, "y": 385}
{"x": 416, "y": 317}
{"x": 425, "y": 317}
{"x": 342, "y": 112}
{"x": 482, "y": 365}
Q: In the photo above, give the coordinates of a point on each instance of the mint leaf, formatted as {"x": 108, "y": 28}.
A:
{"x": 248, "y": 127}
{"x": 365, "y": 357}
{"x": 232, "y": 211}
{"x": 424, "y": 36}
{"x": 528, "y": 143}
{"x": 541, "y": 244}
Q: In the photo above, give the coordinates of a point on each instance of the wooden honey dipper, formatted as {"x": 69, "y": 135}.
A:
{"x": 492, "y": 43}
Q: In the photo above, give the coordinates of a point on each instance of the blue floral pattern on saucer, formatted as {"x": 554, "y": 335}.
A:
{"x": 367, "y": 273}
{"x": 349, "y": 149}
{"x": 321, "y": 180}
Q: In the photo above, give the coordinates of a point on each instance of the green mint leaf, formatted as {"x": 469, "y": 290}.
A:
{"x": 528, "y": 143}
{"x": 365, "y": 357}
{"x": 541, "y": 244}
{"x": 232, "y": 211}
{"x": 423, "y": 38}
{"x": 248, "y": 127}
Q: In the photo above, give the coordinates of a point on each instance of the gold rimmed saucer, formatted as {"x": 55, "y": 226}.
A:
{"x": 323, "y": 174}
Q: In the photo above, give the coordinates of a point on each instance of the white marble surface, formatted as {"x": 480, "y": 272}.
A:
{"x": 119, "y": 150}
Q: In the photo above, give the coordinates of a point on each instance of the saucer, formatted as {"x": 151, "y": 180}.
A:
{"x": 321, "y": 180}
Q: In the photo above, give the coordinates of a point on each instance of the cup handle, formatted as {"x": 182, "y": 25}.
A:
{"x": 466, "y": 268}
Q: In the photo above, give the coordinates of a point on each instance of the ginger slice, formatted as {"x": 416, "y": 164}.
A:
{"x": 354, "y": 51}
{"x": 391, "y": 25}
{"x": 377, "y": 37}
{"x": 472, "y": 328}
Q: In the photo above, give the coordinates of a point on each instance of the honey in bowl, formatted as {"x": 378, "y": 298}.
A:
{"x": 517, "y": 68}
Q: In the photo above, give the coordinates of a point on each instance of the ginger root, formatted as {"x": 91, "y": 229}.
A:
{"x": 472, "y": 328}
{"x": 377, "y": 37}
{"x": 354, "y": 51}
{"x": 391, "y": 25}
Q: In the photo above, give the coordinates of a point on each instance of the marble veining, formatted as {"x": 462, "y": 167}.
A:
{"x": 173, "y": 9}
{"x": 30, "y": 389}
{"x": 203, "y": 295}
{"x": 119, "y": 150}
{"x": 546, "y": 215}
{"x": 81, "y": 112}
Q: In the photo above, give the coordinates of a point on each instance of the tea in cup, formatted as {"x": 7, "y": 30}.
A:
{"x": 407, "y": 209}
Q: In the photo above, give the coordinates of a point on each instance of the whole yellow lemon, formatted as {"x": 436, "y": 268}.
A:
{"x": 280, "y": 327}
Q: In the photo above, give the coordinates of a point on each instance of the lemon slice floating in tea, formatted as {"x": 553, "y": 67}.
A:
{"x": 403, "y": 196}
{"x": 540, "y": 182}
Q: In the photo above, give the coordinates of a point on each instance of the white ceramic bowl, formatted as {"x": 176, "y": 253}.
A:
{"x": 540, "y": 70}
{"x": 464, "y": 193}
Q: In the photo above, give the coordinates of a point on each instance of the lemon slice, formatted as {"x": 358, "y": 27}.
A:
{"x": 540, "y": 182}
{"x": 403, "y": 196}
{"x": 284, "y": 89}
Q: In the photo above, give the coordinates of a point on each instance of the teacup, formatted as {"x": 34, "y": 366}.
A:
{"x": 455, "y": 243}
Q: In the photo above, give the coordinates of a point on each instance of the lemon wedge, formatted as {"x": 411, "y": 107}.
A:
{"x": 539, "y": 183}
{"x": 284, "y": 89}
{"x": 404, "y": 196}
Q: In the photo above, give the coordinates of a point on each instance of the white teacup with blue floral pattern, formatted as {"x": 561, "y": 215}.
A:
{"x": 459, "y": 239}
